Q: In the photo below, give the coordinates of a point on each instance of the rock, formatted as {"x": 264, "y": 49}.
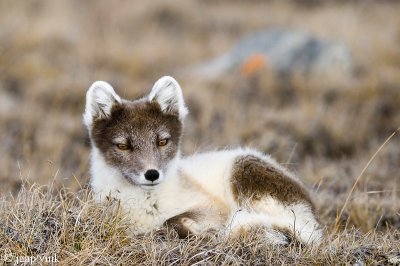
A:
{"x": 283, "y": 51}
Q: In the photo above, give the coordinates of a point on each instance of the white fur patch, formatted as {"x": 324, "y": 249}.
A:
{"x": 296, "y": 218}
{"x": 167, "y": 92}
{"x": 99, "y": 100}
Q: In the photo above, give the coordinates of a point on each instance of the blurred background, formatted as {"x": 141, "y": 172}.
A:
{"x": 314, "y": 83}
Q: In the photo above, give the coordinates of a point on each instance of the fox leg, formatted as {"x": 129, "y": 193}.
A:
{"x": 184, "y": 224}
{"x": 244, "y": 220}
{"x": 197, "y": 221}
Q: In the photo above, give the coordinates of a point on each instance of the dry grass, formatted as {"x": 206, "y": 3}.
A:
{"x": 37, "y": 223}
{"x": 326, "y": 129}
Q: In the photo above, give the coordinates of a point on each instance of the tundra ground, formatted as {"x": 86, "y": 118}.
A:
{"x": 324, "y": 128}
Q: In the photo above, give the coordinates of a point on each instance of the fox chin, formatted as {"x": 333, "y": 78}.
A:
{"x": 135, "y": 157}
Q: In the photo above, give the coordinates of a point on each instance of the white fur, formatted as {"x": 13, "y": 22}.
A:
{"x": 198, "y": 182}
{"x": 107, "y": 181}
{"x": 167, "y": 92}
{"x": 99, "y": 101}
{"x": 137, "y": 202}
{"x": 212, "y": 171}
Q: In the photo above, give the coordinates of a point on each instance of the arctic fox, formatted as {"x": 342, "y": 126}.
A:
{"x": 136, "y": 158}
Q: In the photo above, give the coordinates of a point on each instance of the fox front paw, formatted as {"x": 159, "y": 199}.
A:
{"x": 184, "y": 224}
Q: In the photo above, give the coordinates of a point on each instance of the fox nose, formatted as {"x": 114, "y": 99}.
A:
{"x": 151, "y": 175}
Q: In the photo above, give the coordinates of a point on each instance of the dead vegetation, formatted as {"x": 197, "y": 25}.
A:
{"x": 39, "y": 223}
{"x": 326, "y": 129}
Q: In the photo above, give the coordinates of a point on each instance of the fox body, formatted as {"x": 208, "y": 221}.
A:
{"x": 136, "y": 158}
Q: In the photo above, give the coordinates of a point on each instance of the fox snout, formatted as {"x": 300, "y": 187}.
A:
{"x": 152, "y": 175}
{"x": 150, "y": 178}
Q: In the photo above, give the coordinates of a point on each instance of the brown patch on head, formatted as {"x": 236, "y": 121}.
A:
{"x": 139, "y": 125}
{"x": 254, "y": 178}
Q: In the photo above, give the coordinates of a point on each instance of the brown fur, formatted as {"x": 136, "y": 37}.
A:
{"x": 290, "y": 235}
{"x": 179, "y": 223}
{"x": 253, "y": 178}
{"x": 134, "y": 122}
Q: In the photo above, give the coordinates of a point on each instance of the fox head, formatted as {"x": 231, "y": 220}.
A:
{"x": 138, "y": 139}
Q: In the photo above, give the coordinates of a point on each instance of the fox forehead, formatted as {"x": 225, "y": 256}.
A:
{"x": 136, "y": 121}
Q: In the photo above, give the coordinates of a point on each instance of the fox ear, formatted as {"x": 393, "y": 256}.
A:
{"x": 100, "y": 98}
{"x": 167, "y": 92}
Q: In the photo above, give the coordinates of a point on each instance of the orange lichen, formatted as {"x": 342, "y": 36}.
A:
{"x": 253, "y": 64}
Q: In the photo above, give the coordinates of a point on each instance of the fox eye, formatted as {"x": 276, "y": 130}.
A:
{"x": 162, "y": 142}
{"x": 122, "y": 146}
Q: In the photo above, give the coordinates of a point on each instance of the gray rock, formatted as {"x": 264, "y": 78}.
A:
{"x": 285, "y": 52}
